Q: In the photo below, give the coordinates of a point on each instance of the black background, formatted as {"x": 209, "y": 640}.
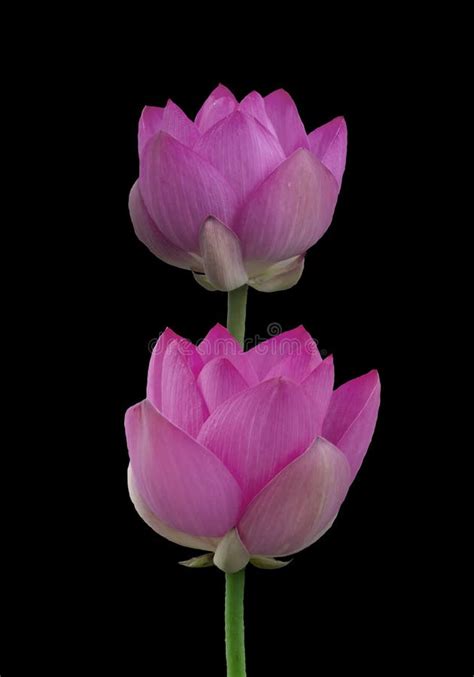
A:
{"x": 105, "y": 590}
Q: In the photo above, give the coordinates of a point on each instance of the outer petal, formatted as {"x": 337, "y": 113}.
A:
{"x": 183, "y": 484}
{"x": 180, "y": 189}
{"x": 351, "y": 417}
{"x": 296, "y": 507}
{"x": 231, "y": 555}
{"x": 160, "y": 527}
{"x": 148, "y": 232}
{"x": 329, "y": 144}
{"x": 296, "y": 343}
{"x": 283, "y": 113}
{"x": 319, "y": 387}
{"x": 220, "y": 103}
{"x": 177, "y": 124}
{"x": 242, "y": 150}
{"x": 150, "y": 123}
{"x": 254, "y": 104}
{"x": 155, "y": 368}
{"x": 222, "y": 256}
{"x": 289, "y": 211}
{"x": 219, "y": 342}
{"x": 259, "y": 431}
{"x": 220, "y": 380}
{"x": 279, "y": 276}
{"x": 181, "y": 399}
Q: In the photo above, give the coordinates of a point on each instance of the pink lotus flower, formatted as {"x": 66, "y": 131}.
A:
{"x": 246, "y": 454}
{"x": 240, "y": 194}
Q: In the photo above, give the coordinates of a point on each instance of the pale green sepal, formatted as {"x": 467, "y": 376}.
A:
{"x": 199, "y": 562}
{"x": 268, "y": 562}
{"x": 204, "y": 282}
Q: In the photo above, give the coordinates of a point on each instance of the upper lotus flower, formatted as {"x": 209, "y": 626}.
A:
{"x": 240, "y": 194}
{"x": 246, "y": 454}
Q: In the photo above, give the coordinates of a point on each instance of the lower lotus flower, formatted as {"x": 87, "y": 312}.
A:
{"x": 247, "y": 455}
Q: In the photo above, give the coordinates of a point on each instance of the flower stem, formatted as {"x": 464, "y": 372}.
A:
{"x": 236, "y": 311}
{"x": 234, "y": 624}
{"x": 234, "y": 583}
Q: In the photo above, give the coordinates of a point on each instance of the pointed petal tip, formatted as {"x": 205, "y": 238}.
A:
{"x": 220, "y": 327}
{"x": 352, "y": 416}
{"x": 372, "y": 375}
{"x": 328, "y": 143}
{"x": 224, "y": 89}
{"x": 280, "y": 91}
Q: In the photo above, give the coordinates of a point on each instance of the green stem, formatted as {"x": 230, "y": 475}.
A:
{"x": 234, "y": 624}
{"x": 236, "y": 310}
{"x": 234, "y": 583}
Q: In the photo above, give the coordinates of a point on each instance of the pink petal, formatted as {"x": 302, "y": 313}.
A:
{"x": 148, "y": 232}
{"x": 319, "y": 387}
{"x": 222, "y": 256}
{"x": 219, "y": 342}
{"x": 242, "y": 150}
{"x": 253, "y": 104}
{"x": 295, "y": 366}
{"x": 149, "y": 124}
{"x": 259, "y": 431}
{"x": 183, "y": 484}
{"x": 181, "y": 399}
{"x": 351, "y": 417}
{"x": 329, "y": 144}
{"x": 180, "y": 190}
{"x": 283, "y": 113}
{"x": 160, "y": 527}
{"x": 245, "y": 367}
{"x": 155, "y": 368}
{"x": 296, "y": 344}
{"x": 279, "y": 276}
{"x": 289, "y": 211}
{"x": 298, "y": 505}
{"x": 218, "y": 381}
{"x": 177, "y": 124}
{"x": 220, "y": 103}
